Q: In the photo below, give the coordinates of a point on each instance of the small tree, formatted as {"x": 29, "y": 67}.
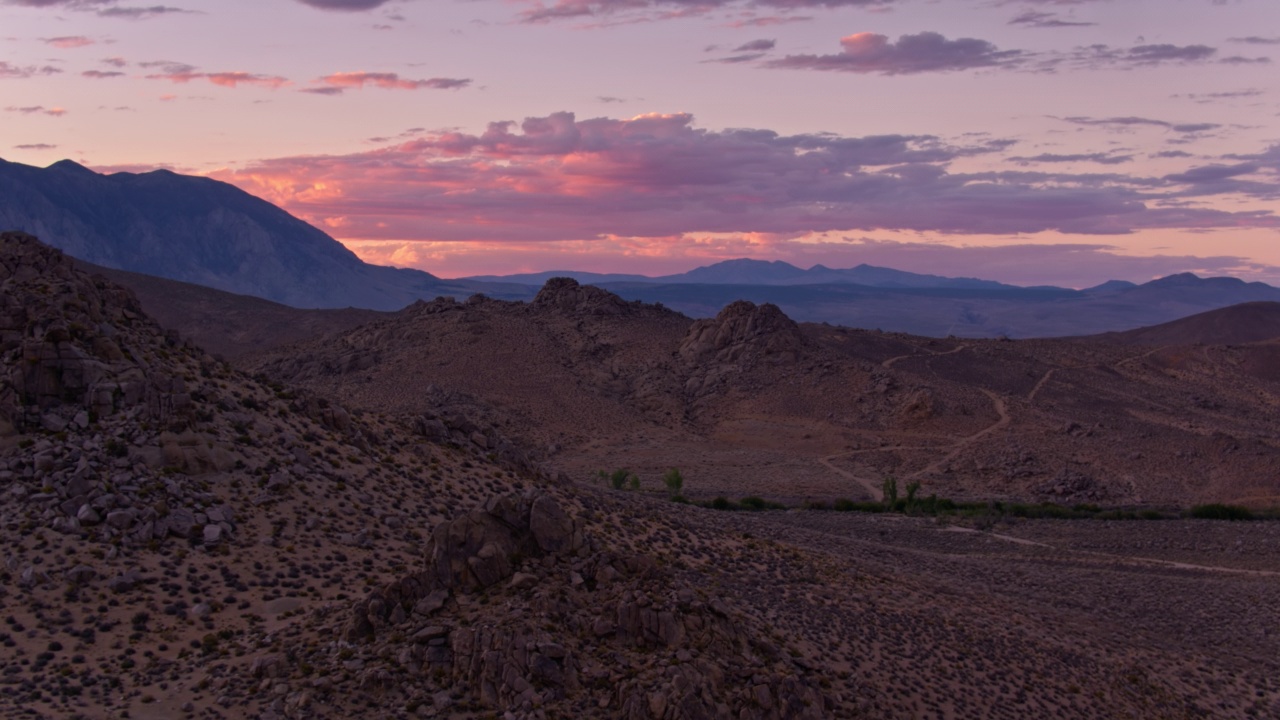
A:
{"x": 890, "y": 490}
{"x": 618, "y": 478}
{"x": 674, "y": 482}
{"x": 912, "y": 489}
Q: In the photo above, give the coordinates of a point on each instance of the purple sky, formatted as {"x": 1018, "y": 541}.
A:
{"x": 1030, "y": 141}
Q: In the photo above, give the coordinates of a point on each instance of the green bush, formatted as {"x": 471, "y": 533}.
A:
{"x": 1218, "y": 511}
{"x": 674, "y": 482}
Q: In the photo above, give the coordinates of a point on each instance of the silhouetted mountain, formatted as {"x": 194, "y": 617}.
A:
{"x": 206, "y": 232}
{"x": 745, "y": 271}
{"x": 969, "y": 312}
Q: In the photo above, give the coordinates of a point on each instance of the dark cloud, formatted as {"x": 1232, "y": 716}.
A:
{"x": 1131, "y": 121}
{"x": 1241, "y": 60}
{"x": 101, "y": 75}
{"x": 923, "y": 52}
{"x": 761, "y": 45}
{"x": 104, "y": 8}
{"x": 142, "y": 13}
{"x": 168, "y": 67}
{"x": 1045, "y": 20}
{"x": 36, "y": 146}
{"x": 21, "y": 72}
{"x": 1102, "y": 57}
{"x": 1101, "y": 158}
{"x": 344, "y": 5}
{"x": 1212, "y": 173}
{"x": 1205, "y": 98}
{"x": 323, "y": 90}
{"x": 1255, "y": 40}
{"x": 542, "y": 11}
{"x": 770, "y": 21}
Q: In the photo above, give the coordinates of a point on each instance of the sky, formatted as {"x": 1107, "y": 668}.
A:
{"x": 1062, "y": 142}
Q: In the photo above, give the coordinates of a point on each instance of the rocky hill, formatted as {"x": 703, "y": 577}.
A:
{"x": 184, "y": 540}
{"x": 206, "y": 232}
{"x": 756, "y": 404}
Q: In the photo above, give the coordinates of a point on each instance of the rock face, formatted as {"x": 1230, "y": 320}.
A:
{"x": 743, "y": 331}
{"x": 73, "y": 344}
{"x": 611, "y": 610}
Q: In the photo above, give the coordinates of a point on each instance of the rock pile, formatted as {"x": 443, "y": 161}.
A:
{"x": 579, "y": 629}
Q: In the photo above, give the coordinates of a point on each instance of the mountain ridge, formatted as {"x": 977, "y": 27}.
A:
{"x": 203, "y": 231}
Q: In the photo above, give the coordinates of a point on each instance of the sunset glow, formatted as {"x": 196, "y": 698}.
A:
{"x": 1024, "y": 141}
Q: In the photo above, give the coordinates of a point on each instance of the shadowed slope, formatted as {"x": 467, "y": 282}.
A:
{"x": 1235, "y": 325}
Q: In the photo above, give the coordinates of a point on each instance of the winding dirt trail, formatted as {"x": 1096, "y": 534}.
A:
{"x": 873, "y": 487}
{"x": 890, "y": 362}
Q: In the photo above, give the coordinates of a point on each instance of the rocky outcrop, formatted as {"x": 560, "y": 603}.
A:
{"x": 579, "y": 628}
{"x": 568, "y": 296}
{"x": 75, "y": 347}
{"x": 741, "y": 333}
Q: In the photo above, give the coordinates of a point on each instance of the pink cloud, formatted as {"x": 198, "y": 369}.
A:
{"x": 557, "y": 178}
{"x": 37, "y": 110}
{"x": 923, "y": 52}
{"x": 178, "y": 73}
{"x": 388, "y": 81}
{"x": 68, "y": 42}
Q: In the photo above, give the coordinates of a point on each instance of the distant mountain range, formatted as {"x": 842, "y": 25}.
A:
{"x": 206, "y": 232}
{"x": 745, "y": 271}
{"x": 209, "y": 233}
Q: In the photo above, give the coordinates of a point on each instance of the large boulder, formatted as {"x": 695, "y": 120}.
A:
{"x": 742, "y": 332}
{"x": 568, "y": 296}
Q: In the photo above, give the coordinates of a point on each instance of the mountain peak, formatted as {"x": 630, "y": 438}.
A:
{"x": 71, "y": 166}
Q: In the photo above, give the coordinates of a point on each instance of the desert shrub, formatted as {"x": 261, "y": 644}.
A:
{"x": 722, "y": 503}
{"x": 618, "y": 478}
{"x": 889, "y": 488}
{"x": 674, "y": 482}
{"x": 1218, "y": 511}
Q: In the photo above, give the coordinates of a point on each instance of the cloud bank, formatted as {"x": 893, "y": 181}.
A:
{"x": 558, "y": 178}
